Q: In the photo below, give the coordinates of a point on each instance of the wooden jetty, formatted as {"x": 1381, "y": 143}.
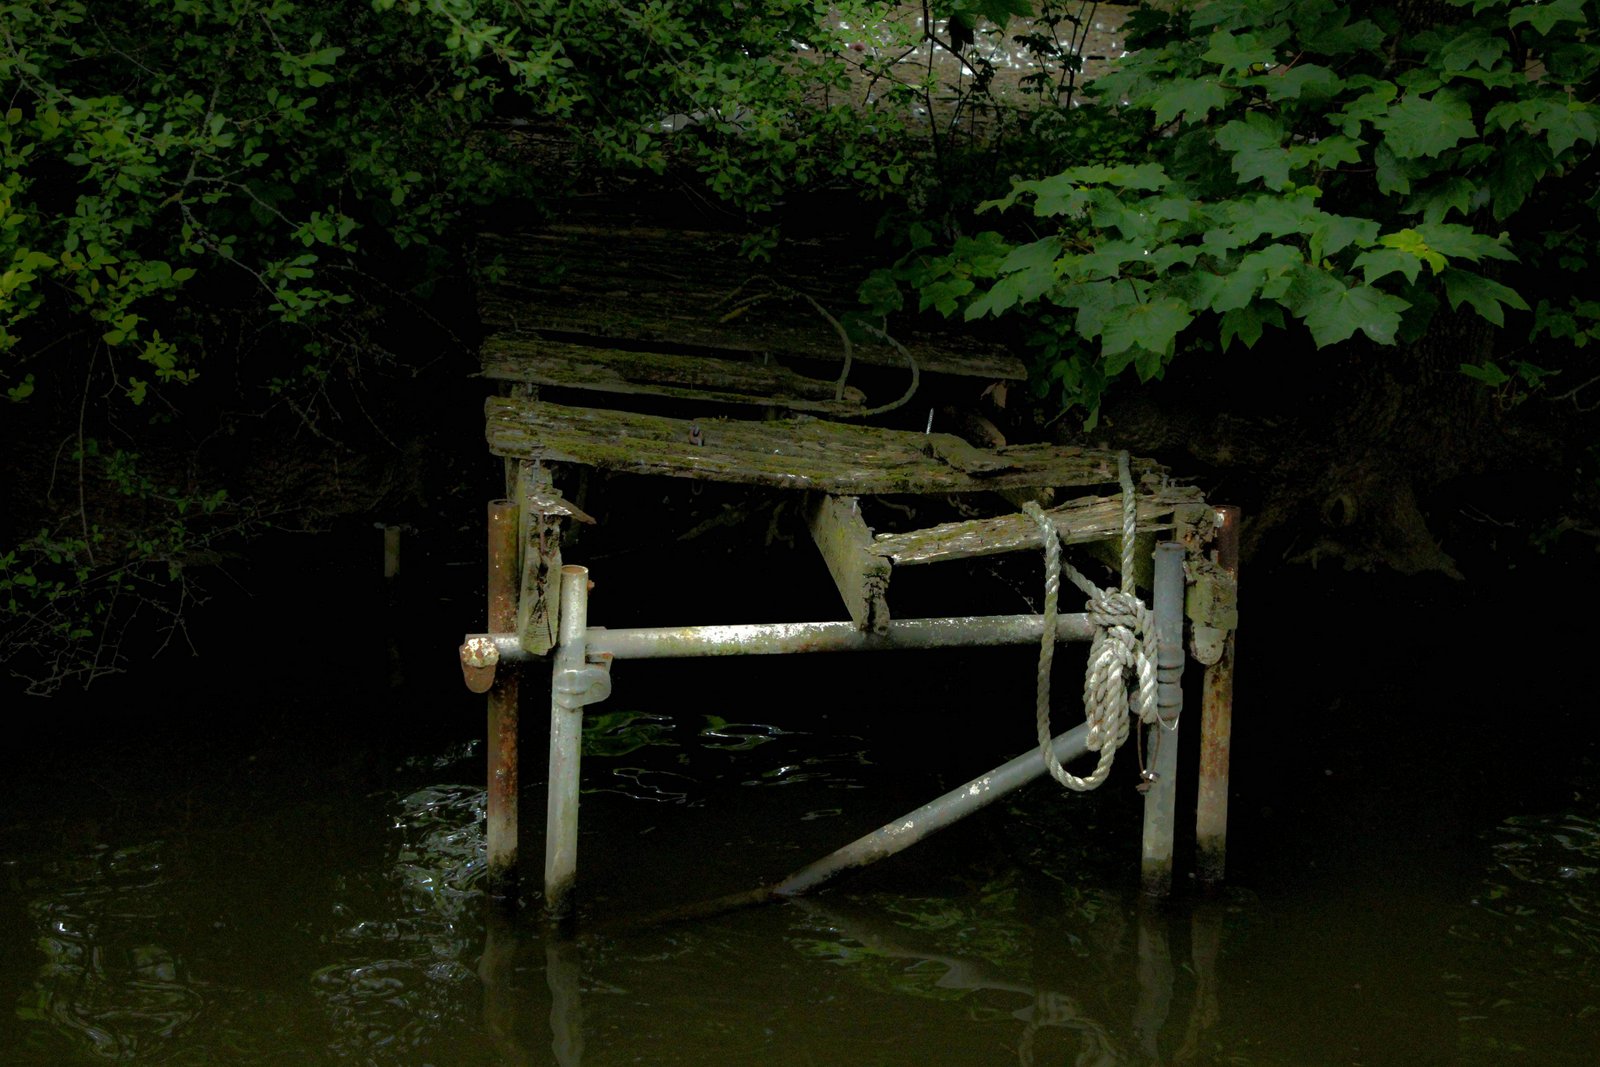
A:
{"x": 658, "y": 350}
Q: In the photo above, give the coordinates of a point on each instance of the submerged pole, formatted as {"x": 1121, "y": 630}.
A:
{"x": 566, "y": 745}
{"x": 1216, "y": 728}
{"x": 935, "y": 815}
{"x": 1160, "y": 803}
{"x": 501, "y": 831}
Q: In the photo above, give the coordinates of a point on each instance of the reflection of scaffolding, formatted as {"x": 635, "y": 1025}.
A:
{"x": 575, "y": 328}
{"x": 1098, "y": 1034}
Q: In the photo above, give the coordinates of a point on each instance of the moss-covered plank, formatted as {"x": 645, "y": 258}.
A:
{"x": 1079, "y": 520}
{"x": 685, "y": 287}
{"x": 526, "y": 358}
{"x": 845, "y": 541}
{"x": 800, "y": 452}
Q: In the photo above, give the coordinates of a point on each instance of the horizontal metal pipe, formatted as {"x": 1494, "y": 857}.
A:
{"x": 935, "y": 815}
{"x": 780, "y": 638}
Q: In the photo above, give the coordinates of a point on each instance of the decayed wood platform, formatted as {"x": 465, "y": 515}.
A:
{"x": 633, "y": 348}
{"x": 611, "y": 311}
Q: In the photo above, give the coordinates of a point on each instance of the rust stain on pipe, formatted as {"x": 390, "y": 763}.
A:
{"x": 1216, "y": 729}
{"x": 503, "y": 701}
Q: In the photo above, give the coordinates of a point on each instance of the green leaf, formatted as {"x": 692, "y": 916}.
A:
{"x": 1149, "y": 177}
{"x": 1337, "y": 232}
{"x": 1246, "y": 323}
{"x": 1337, "y": 317}
{"x": 1151, "y": 326}
{"x": 944, "y": 295}
{"x": 1565, "y": 123}
{"x": 1544, "y": 16}
{"x": 1420, "y": 126}
{"x": 880, "y": 292}
{"x": 1488, "y": 298}
{"x": 1257, "y": 146}
{"x": 1304, "y": 79}
{"x": 1193, "y": 98}
{"x": 1488, "y": 372}
{"x": 1379, "y": 263}
{"x": 1463, "y": 242}
{"x": 1475, "y": 46}
{"x": 1451, "y": 193}
{"x": 1518, "y": 166}
{"x": 1268, "y": 273}
{"x": 1239, "y": 52}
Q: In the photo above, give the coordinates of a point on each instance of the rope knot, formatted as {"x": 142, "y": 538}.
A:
{"x": 1109, "y": 608}
{"x": 1123, "y": 650}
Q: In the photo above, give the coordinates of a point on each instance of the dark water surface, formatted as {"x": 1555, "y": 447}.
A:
{"x": 273, "y": 857}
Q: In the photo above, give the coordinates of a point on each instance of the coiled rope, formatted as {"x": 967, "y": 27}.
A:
{"x": 1124, "y": 642}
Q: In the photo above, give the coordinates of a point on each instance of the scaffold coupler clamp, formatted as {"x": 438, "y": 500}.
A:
{"x": 576, "y": 687}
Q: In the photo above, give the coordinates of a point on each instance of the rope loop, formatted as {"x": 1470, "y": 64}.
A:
{"x": 1123, "y": 650}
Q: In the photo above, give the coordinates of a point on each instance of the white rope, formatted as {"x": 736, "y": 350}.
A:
{"x": 1124, "y": 641}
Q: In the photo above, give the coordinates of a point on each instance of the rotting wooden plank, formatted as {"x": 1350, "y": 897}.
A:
{"x": 734, "y": 381}
{"x": 1079, "y": 520}
{"x": 541, "y": 511}
{"x": 967, "y": 457}
{"x": 694, "y": 288}
{"x": 845, "y": 541}
{"x": 800, "y": 452}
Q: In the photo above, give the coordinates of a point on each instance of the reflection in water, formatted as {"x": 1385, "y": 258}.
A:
{"x": 1092, "y": 1037}
{"x": 1535, "y": 924}
{"x": 383, "y": 951}
{"x": 110, "y": 982}
{"x": 401, "y": 979}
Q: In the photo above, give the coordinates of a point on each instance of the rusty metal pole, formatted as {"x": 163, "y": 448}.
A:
{"x": 503, "y": 699}
{"x": 1160, "y": 803}
{"x": 1216, "y": 727}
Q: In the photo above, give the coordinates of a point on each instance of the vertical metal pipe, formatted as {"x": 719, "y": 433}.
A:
{"x": 1216, "y": 728}
{"x": 563, "y": 974}
{"x": 1160, "y": 803}
{"x": 501, "y": 830}
{"x": 566, "y": 748}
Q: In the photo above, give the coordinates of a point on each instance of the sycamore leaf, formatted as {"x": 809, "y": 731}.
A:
{"x": 1336, "y": 316}
{"x": 1565, "y": 122}
{"x": 1097, "y": 301}
{"x": 1193, "y": 98}
{"x": 1257, "y": 146}
{"x": 1151, "y": 326}
{"x": 1462, "y": 242}
{"x": 1107, "y": 258}
{"x": 1368, "y": 107}
{"x": 1246, "y": 323}
{"x": 1453, "y": 193}
{"x": 1393, "y": 174}
{"x": 1268, "y": 272}
{"x": 1149, "y": 177}
{"x": 1022, "y": 287}
{"x": 1518, "y": 166}
{"x": 1040, "y": 253}
{"x": 944, "y": 295}
{"x": 1274, "y": 216}
{"x": 1427, "y": 125}
{"x": 1337, "y": 232}
{"x": 1485, "y": 296}
{"x": 1473, "y": 47}
{"x": 1239, "y": 52}
{"x": 1543, "y": 16}
{"x": 1376, "y": 263}
{"x": 1305, "y": 79}
{"x": 1335, "y": 37}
